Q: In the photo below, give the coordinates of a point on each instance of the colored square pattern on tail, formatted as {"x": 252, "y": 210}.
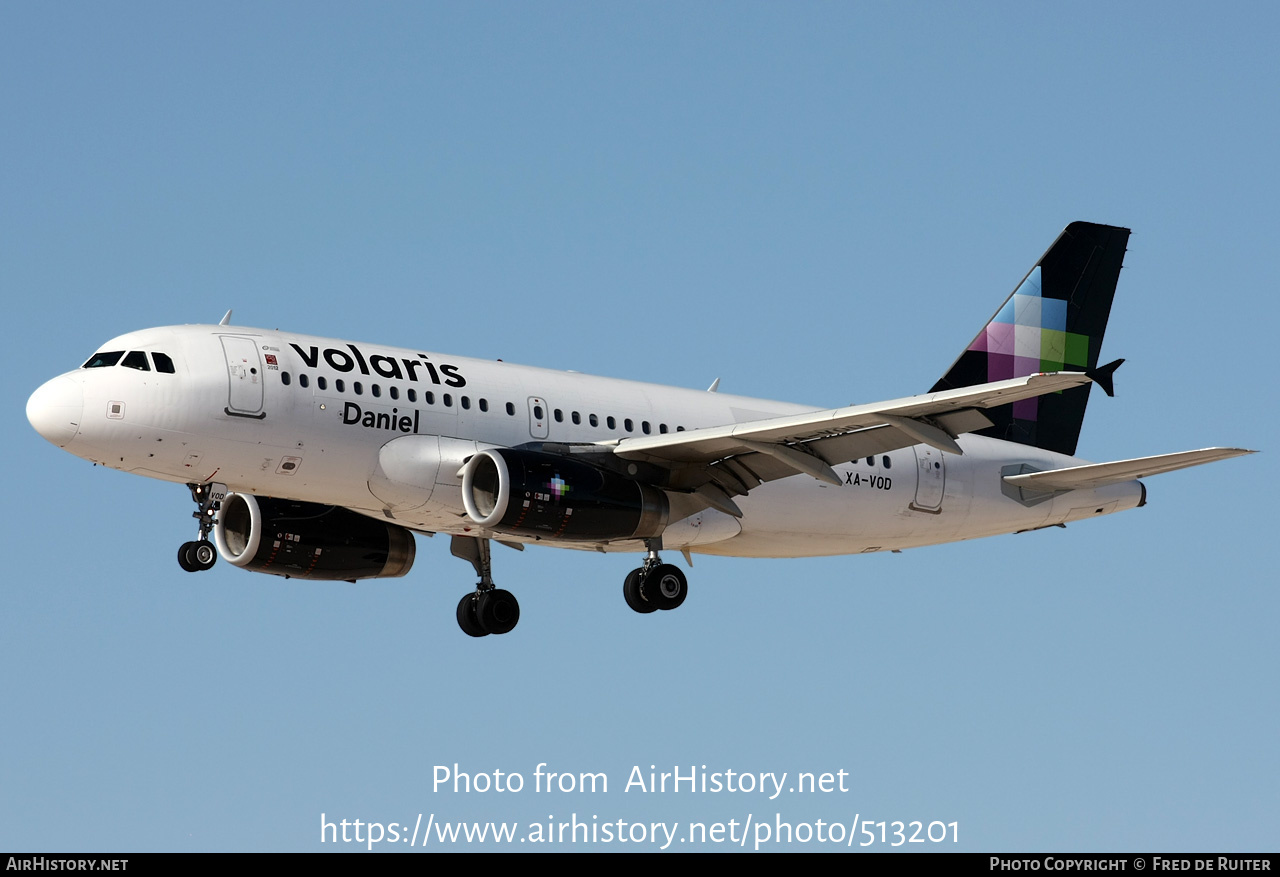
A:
{"x": 1030, "y": 335}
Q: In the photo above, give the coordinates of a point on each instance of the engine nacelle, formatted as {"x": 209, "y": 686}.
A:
{"x": 535, "y": 494}
{"x": 309, "y": 541}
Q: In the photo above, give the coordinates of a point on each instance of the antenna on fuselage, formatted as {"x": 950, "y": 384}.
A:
{"x": 715, "y": 385}
{"x": 226, "y": 318}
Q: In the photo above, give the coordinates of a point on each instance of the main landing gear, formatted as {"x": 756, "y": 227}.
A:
{"x": 654, "y": 586}
{"x": 201, "y": 555}
{"x": 487, "y": 609}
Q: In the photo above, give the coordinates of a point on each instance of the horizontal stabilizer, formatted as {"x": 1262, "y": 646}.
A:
{"x": 1100, "y": 474}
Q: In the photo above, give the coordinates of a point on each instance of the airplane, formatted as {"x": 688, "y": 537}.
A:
{"x": 320, "y": 458}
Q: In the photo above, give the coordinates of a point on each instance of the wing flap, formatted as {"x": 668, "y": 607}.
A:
{"x": 863, "y": 443}
{"x": 1100, "y": 474}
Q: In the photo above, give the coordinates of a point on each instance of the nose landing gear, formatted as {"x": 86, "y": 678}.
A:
{"x": 201, "y": 555}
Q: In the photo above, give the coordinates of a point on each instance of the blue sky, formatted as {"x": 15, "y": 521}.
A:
{"x": 818, "y": 202}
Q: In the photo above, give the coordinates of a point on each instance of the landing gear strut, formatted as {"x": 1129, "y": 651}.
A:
{"x": 201, "y": 555}
{"x": 655, "y": 585}
{"x": 488, "y": 609}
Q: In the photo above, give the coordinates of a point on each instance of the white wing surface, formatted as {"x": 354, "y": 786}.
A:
{"x": 742, "y": 455}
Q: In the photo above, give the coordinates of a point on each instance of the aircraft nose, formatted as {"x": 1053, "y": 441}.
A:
{"x": 55, "y": 410}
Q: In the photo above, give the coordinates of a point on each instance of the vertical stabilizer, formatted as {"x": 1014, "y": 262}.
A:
{"x": 1053, "y": 321}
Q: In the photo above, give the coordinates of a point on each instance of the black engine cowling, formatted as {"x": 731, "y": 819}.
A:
{"x": 536, "y": 494}
{"x": 309, "y": 541}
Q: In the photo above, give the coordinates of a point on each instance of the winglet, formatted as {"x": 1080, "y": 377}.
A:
{"x": 1102, "y": 376}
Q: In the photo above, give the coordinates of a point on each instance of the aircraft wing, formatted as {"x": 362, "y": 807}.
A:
{"x": 1100, "y": 474}
{"x": 740, "y": 456}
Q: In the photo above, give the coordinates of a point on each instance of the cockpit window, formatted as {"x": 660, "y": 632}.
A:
{"x": 102, "y": 360}
{"x": 136, "y": 359}
{"x": 163, "y": 363}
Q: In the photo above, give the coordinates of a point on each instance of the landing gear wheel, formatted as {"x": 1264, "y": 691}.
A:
{"x": 202, "y": 554}
{"x": 197, "y": 556}
{"x": 184, "y": 557}
{"x": 631, "y": 592}
{"x": 664, "y": 586}
{"x": 487, "y": 609}
{"x": 497, "y": 611}
{"x": 467, "y": 616}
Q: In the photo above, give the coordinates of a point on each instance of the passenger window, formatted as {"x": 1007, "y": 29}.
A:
{"x": 466, "y": 403}
{"x": 322, "y": 383}
{"x": 594, "y": 421}
{"x": 662, "y": 428}
{"x": 511, "y": 409}
{"x": 376, "y": 389}
{"x": 559, "y": 415}
{"x": 576, "y": 417}
{"x": 340, "y": 385}
{"x": 104, "y": 360}
{"x": 537, "y": 412}
{"x": 164, "y": 364}
{"x": 412, "y": 394}
{"x": 484, "y": 404}
{"x": 886, "y": 462}
{"x": 613, "y": 424}
{"x": 644, "y": 427}
{"x": 394, "y": 391}
{"x": 137, "y": 359}
{"x": 303, "y": 381}
{"x": 357, "y": 388}
{"x": 448, "y": 400}
{"x": 429, "y": 397}
{"x": 285, "y": 379}
{"x": 630, "y": 427}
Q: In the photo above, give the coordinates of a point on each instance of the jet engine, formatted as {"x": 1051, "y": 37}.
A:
{"x": 309, "y": 541}
{"x": 535, "y": 494}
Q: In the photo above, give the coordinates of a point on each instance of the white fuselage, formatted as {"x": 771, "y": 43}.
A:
{"x": 311, "y": 419}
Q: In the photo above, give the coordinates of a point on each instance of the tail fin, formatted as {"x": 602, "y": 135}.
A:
{"x": 1053, "y": 321}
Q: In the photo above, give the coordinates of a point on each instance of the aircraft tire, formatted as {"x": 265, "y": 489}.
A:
{"x": 665, "y": 586}
{"x": 184, "y": 557}
{"x": 497, "y": 611}
{"x": 467, "y": 616}
{"x": 631, "y": 593}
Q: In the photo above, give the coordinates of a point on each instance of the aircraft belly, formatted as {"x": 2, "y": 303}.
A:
{"x": 704, "y": 528}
